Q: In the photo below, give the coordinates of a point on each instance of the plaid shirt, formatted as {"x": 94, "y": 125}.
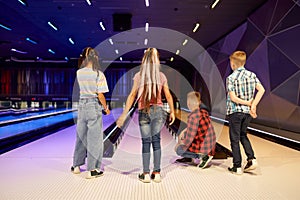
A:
{"x": 200, "y": 136}
{"x": 242, "y": 82}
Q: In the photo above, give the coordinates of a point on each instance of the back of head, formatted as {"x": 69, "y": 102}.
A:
{"x": 150, "y": 75}
{"x": 89, "y": 55}
{"x": 194, "y": 98}
{"x": 238, "y": 58}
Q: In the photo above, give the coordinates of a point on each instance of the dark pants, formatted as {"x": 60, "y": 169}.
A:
{"x": 238, "y": 123}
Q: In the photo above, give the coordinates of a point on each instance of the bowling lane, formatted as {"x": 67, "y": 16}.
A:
{"x": 18, "y": 115}
{"x": 19, "y": 133}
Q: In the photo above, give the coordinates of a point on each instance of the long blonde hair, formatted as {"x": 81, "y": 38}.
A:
{"x": 150, "y": 77}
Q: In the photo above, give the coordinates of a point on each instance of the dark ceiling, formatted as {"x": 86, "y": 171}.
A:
{"x": 78, "y": 20}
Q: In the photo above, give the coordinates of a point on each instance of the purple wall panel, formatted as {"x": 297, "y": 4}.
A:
{"x": 271, "y": 39}
{"x": 233, "y": 39}
{"x": 289, "y": 43}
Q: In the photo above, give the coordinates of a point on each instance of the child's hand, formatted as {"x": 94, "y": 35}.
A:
{"x": 249, "y": 103}
{"x": 253, "y": 111}
{"x": 171, "y": 118}
{"x": 253, "y": 115}
{"x": 120, "y": 121}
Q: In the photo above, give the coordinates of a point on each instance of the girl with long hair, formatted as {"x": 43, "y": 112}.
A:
{"x": 89, "y": 137}
{"x": 149, "y": 83}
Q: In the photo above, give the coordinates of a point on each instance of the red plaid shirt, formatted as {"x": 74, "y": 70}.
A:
{"x": 200, "y": 136}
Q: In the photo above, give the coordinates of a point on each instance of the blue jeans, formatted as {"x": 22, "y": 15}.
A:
{"x": 186, "y": 153}
{"x": 150, "y": 126}
{"x": 89, "y": 137}
{"x": 238, "y": 124}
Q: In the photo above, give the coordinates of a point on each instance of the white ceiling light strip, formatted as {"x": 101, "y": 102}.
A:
{"x": 54, "y": 27}
{"x": 196, "y": 27}
{"x": 89, "y": 2}
{"x": 146, "y": 41}
{"x": 147, "y": 3}
{"x": 147, "y": 27}
{"x": 214, "y": 4}
{"x": 184, "y": 42}
{"x": 110, "y": 41}
{"x": 71, "y": 41}
{"x": 5, "y": 27}
{"x": 102, "y": 26}
{"x": 18, "y": 51}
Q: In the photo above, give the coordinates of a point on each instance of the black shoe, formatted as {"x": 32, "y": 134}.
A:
{"x": 94, "y": 174}
{"x": 184, "y": 160}
{"x": 144, "y": 177}
{"x": 204, "y": 161}
{"x": 251, "y": 164}
{"x": 235, "y": 170}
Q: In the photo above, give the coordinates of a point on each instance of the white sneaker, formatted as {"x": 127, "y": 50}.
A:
{"x": 251, "y": 165}
{"x": 156, "y": 177}
{"x": 236, "y": 170}
{"x": 75, "y": 170}
{"x": 145, "y": 178}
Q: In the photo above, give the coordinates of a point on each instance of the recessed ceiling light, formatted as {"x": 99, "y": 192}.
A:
{"x": 54, "y": 27}
{"x": 71, "y": 41}
{"x": 147, "y": 3}
{"x": 23, "y": 2}
{"x": 5, "y": 27}
{"x": 214, "y": 4}
{"x": 117, "y": 51}
{"x": 145, "y": 41}
{"x": 18, "y": 51}
{"x": 177, "y": 52}
{"x": 196, "y": 27}
{"x": 51, "y": 51}
{"x": 89, "y": 2}
{"x": 110, "y": 41}
{"x": 102, "y": 26}
{"x": 31, "y": 41}
{"x": 184, "y": 42}
{"x": 146, "y": 26}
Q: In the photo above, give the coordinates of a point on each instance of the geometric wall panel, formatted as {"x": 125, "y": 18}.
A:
{"x": 280, "y": 67}
{"x": 282, "y": 7}
{"x": 289, "y": 89}
{"x": 266, "y": 10}
{"x": 217, "y": 46}
{"x": 258, "y": 62}
{"x": 217, "y": 56}
{"x": 233, "y": 39}
{"x": 251, "y": 39}
{"x": 288, "y": 42}
{"x": 290, "y": 20}
{"x": 224, "y": 69}
{"x": 271, "y": 39}
{"x": 293, "y": 121}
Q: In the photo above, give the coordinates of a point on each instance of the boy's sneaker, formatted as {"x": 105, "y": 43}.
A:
{"x": 184, "y": 160}
{"x": 144, "y": 177}
{"x": 251, "y": 165}
{"x": 204, "y": 161}
{"x": 155, "y": 176}
{"x": 75, "y": 170}
{"x": 94, "y": 174}
{"x": 235, "y": 170}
